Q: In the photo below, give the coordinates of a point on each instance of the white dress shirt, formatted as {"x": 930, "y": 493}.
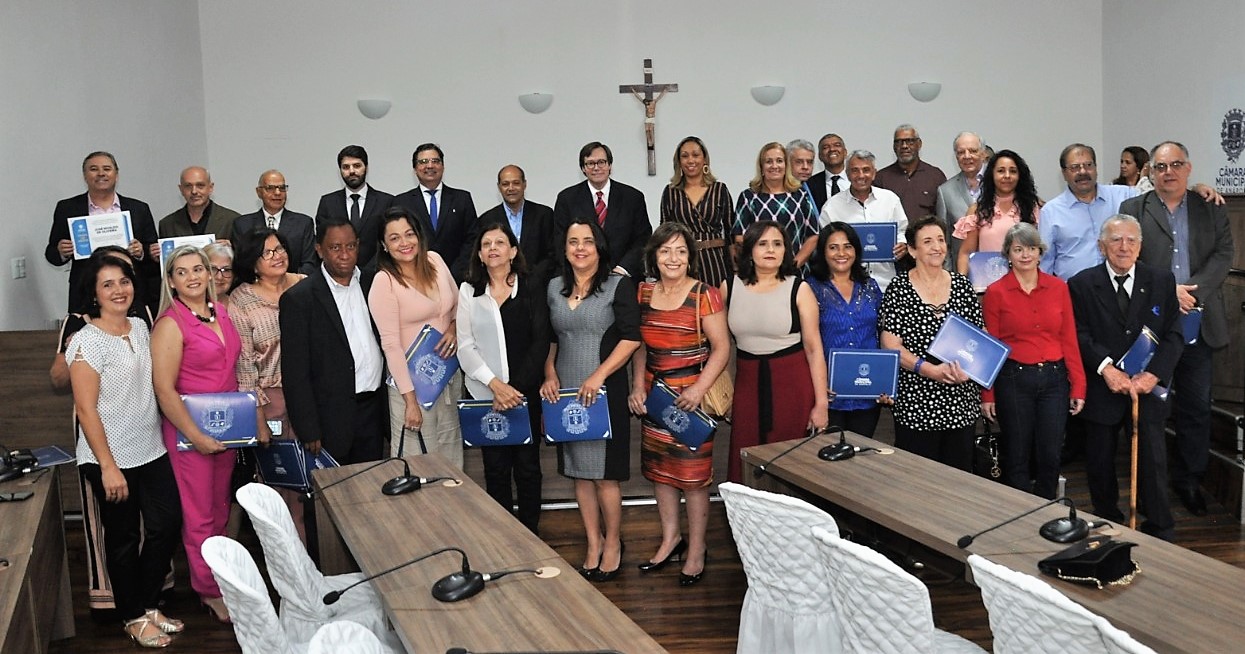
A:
{"x": 882, "y": 206}
{"x": 369, "y": 364}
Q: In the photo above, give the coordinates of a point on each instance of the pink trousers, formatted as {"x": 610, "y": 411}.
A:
{"x": 204, "y": 484}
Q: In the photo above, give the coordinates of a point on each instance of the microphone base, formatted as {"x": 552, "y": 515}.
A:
{"x": 1064, "y": 530}
{"x": 836, "y": 452}
{"x": 458, "y": 586}
{"x": 401, "y": 485}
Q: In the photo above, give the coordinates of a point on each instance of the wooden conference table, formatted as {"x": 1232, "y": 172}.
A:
{"x": 518, "y": 612}
{"x": 1181, "y": 602}
{"x": 35, "y": 603}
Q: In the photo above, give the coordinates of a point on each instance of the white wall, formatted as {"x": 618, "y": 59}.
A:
{"x": 123, "y": 76}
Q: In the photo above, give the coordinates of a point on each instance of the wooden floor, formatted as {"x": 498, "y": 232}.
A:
{"x": 702, "y": 619}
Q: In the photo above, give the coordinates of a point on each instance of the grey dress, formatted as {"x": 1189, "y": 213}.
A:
{"x": 585, "y": 337}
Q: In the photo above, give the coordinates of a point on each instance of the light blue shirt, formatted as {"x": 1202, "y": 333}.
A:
{"x": 1179, "y": 221}
{"x": 516, "y": 219}
{"x": 1070, "y": 228}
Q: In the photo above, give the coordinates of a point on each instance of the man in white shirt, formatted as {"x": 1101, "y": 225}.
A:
{"x": 866, "y": 203}
{"x": 833, "y": 180}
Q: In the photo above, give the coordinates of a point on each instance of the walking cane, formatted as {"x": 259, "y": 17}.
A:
{"x": 1132, "y": 478}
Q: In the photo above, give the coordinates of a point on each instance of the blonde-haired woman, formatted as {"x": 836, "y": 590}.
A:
{"x": 697, "y": 200}
{"x": 775, "y": 194}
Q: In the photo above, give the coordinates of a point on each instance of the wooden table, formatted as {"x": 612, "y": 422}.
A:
{"x": 1181, "y": 602}
{"x": 35, "y": 602}
{"x": 517, "y": 612}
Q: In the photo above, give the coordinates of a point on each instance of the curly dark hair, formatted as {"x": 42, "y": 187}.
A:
{"x": 604, "y": 266}
{"x": 1026, "y": 192}
{"x": 477, "y": 275}
{"x": 660, "y": 237}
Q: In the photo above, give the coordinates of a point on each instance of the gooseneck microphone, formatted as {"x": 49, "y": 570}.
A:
{"x": 839, "y": 451}
{"x": 451, "y": 588}
{"x": 812, "y": 433}
{"x": 400, "y": 485}
{"x": 1059, "y": 530}
{"x": 312, "y": 494}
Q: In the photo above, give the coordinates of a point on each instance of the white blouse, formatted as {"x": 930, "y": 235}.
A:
{"x": 481, "y": 340}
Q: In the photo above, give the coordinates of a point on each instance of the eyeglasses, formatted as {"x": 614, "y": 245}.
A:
{"x": 222, "y": 272}
{"x": 348, "y": 247}
{"x": 273, "y": 188}
{"x": 425, "y": 162}
{"x": 1176, "y": 166}
{"x": 911, "y": 141}
{"x": 596, "y": 163}
{"x": 1080, "y": 167}
{"x": 269, "y": 254}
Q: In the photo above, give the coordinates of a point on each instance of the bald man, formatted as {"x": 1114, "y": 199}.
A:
{"x": 200, "y": 215}
{"x": 531, "y": 222}
{"x": 298, "y": 229}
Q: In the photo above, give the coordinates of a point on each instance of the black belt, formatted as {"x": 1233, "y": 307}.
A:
{"x": 1040, "y": 364}
{"x": 765, "y": 394}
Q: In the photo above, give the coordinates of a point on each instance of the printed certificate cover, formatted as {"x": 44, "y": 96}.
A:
{"x": 228, "y": 417}
{"x": 167, "y": 245}
{"x": 691, "y": 428}
{"x": 287, "y": 464}
{"x": 877, "y": 240}
{"x": 91, "y": 232}
{"x": 863, "y": 374}
{"x": 429, "y": 372}
{"x": 986, "y": 268}
{"x": 978, "y": 353}
{"x": 483, "y": 427}
{"x": 1191, "y": 325}
{"x": 1138, "y": 356}
{"x": 52, "y": 455}
{"x": 567, "y": 420}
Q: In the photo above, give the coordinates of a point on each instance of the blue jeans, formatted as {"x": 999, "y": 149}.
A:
{"x": 1032, "y": 406}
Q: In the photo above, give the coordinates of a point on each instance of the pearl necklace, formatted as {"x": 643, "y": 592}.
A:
{"x": 207, "y": 320}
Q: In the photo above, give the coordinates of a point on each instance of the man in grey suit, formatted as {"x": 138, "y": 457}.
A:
{"x": 298, "y": 229}
{"x": 960, "y": 192}
{"x": 200, "y": 215}
{"x": 1183, "y": 233}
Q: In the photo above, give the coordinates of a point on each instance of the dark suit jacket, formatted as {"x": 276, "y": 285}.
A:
{"x": 297, "y": 228}
{"x": 626, "y": 222}
{"x": 1102, "y": 332}
{"x": 334, "y": 205}
{"x": 536, "y": 242}
{"x": 144, "y": 227}
{"x": 1210, "y": 253}
{"x": 456, "y": 222}
{"x": 817, "y": 186}
{"x": 317, "y": 367}
{"x": 219, "y": 222}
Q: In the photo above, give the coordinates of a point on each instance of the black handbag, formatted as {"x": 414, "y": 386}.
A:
{"x": 986, "y": 454}
{"x": 1095, "y": 561}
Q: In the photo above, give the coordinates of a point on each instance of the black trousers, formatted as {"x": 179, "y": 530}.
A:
{"x": 520, "y": 463}
{"x": 371, "y": 428}
{"x": 953, "y": 447}
{"x": 152, "y": 516}
{"x": 1101, "y": 443}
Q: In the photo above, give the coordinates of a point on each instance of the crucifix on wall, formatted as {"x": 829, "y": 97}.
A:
{"x": 644, "y": 93}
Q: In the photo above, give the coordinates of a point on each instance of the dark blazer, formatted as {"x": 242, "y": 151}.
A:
{"x": 456, "y": 222}
{"x": 1102, "y": 332}
{"x": 536, "y": 241}
{"x": 297, "y": 228}
{"x": 317, "y": 367}
{"x": 333, "y": 205}
{"x": 817, "y": 186}
{"x": 144, "y": 230}
{"x": 219, "y": 222}
{"x": 626, "y": 222}
{"x": 1210, "y": 253}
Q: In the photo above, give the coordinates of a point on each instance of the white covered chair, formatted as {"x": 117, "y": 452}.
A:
{"x": 788, "y": 607}
{"x": 301, "y": 586}
{"x": 1028, "y": 615}
{"x": 255, "y": 623}
{"x": 345, "y": 637}
{"x": 881, "y": 609}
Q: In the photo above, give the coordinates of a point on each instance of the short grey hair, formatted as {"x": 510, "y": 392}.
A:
{"x": 906, "y": 127}
{"x": 1114, "y": 220}
{"x": 862, "y": 154}
{"x": 800, "y": 144}
{"x": 1023, "y": 234}
{"x": 981, "y": 144}
{"x": 218, "y": 249}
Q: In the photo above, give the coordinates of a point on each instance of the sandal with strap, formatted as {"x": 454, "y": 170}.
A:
{"x": 159, "y": 640}
{"x": 167, "y": 625}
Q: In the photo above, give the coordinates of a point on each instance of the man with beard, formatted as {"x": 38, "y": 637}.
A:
{"x": 829, "y": 182}
{"x": 914, "y": 181}
{"x": 201, "y": 215}
{"x": 358, "y": 203}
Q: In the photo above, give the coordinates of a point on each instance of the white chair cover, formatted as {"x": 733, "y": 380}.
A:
{"x": 881, "y": 608}
{"x": 301, "y": 586}
{"x": 255, "y": 623}
{"x": 1028, "y": 615}
{"x": 345, "y": 637}
{"x": 788, "y": 607}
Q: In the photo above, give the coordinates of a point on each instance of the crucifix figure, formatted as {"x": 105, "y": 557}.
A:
{"x": 644, "y": 93}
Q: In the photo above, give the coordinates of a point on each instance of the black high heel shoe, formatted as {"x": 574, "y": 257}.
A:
{"x": 610, "y": 575}
{"x": 676, "y": 554}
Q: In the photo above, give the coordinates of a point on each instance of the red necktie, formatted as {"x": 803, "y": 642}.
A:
{"x": 600, "y": 207}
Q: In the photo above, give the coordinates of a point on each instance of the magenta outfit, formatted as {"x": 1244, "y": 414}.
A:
{"x": 203, "y": 480}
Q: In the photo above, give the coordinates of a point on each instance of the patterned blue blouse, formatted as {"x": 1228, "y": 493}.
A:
{"x": 848, "y": 325}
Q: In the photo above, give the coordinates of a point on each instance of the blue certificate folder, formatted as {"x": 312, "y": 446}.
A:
{"x": 877, "y": 240}
{"x": 1191, "y": 325}
{"x": 227, "y": 417}
{"x": 986, "y": 268}
{"x": 863, "y": 374}
{"x": 1138, "y": 357}
{"x": 978, "y": 353}
{"x": 287, "y": 464}
{"x": 691, "y": 428}
{"x": 567, "y": 420}
{"x": 429, "y": 372}
{"x": 482, "y": 426}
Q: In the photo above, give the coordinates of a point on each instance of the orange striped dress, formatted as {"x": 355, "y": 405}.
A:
{"x": 675, "y": 354}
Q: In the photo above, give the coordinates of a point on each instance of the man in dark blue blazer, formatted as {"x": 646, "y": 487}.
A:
{"x": 623, "y": 215}
{"x": 534, "y": 221}
{"x": 454, "y": 220}
{"x": 1113, "y": 302}
{"x": 298, "y": 229}
{"x": 359, "y": 203}
{"x": 100, "y": 171}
